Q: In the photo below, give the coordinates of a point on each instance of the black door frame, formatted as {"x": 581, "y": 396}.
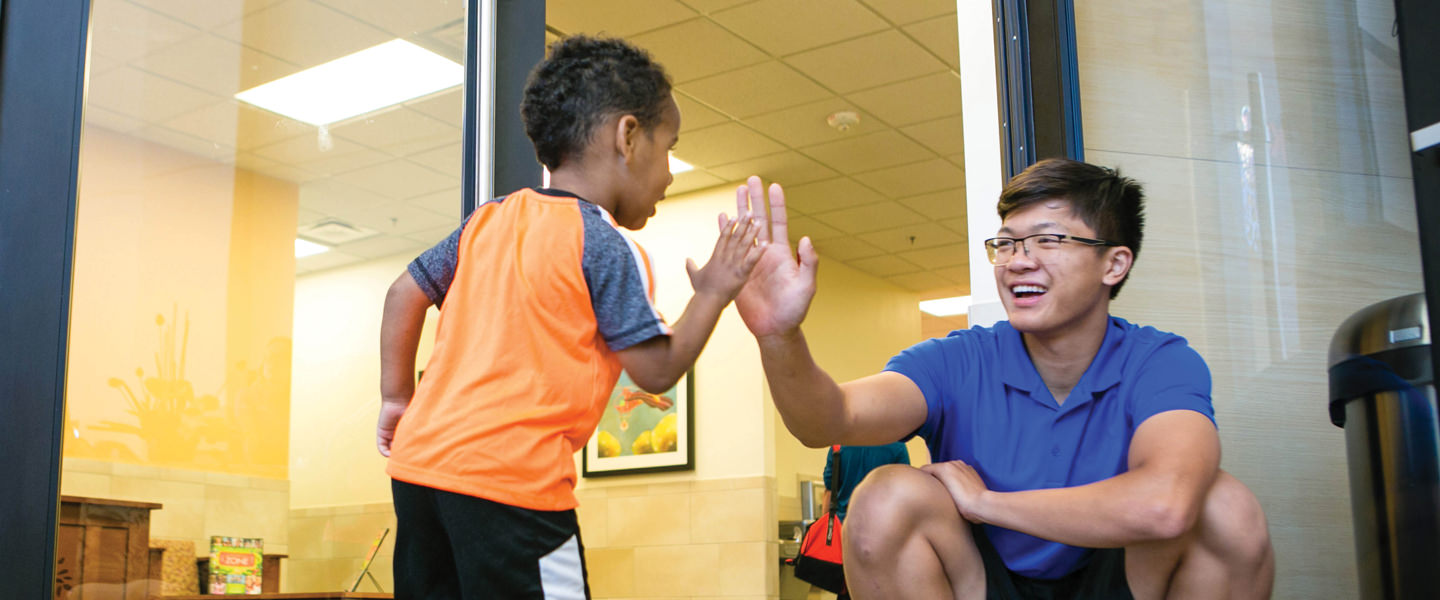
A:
{"x": 42, "y": 86}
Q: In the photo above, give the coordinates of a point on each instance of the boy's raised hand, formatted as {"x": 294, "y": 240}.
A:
{"x": 780, "y": 290}
{"x": 736, "y": 252}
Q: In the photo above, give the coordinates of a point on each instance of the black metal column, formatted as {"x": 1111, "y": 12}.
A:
{"x": 42, "y": 82}
{"x": 519, "y": 44}
{"x": 1038, "y": 83}
{"x": 1419, "y": 20}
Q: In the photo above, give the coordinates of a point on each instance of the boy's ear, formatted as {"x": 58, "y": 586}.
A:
{"x": 627, "y": 136}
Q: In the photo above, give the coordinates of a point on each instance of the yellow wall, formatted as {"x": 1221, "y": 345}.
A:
{"x": 180, "y": 322}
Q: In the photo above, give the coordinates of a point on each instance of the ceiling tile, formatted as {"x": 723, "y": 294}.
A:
{"x": 959, "y": 225}
{"x": 445, "y": 159}
{"x": 138, "y": 94}
{"x": 398, "y": 219}
{"x": 866, "y": 62}
{"x": 694, "y": 115}
{"x": 303, "y": 33}
{"x": 690, "y": 181}
{"x": 921, "y": 99}
{"x": 186, "y": 143}
{"x": 306, "y": 148}
{"x": 445, "y": 203}
{"x": 828, "y": 195}
{"x": 844, "y": 249}
{"x": 922, "y": 282}
{"x": 915, "y": 179}
{"x": 253, "y": 127}
{"x": 944, "y": 204}
{"x": 698, "y": 48}
{"x": 335, "y": 198}
{"x": 945, "y": 136}
{"x": 111, "y": 120}
{"x": 941, "y": 36}
{"x": 216, "y": 65}
{"x": 806, "y": 226}
{"x": 621, "y": 18}
{"x": 868, "y": 152}
{"x": 806, "y": 125}
{"x": 786, "y": 168}
{"x": 331, "y": 163}
{"x": 397, "y": 179}
{"x": 710, "y": 6}
{"x": 773, "y": 27}
{"x": 940, "y": 257}
{"x": 124, "y": 31}
{"x": 324, "y": 260}
{"x": 725, "y": 143}
{"x": 398, "y": 131}
{"x": 448, "y": 106}
{"x": 960, "y": 275}
{"x": 432, "y": 236}
{"x": 908, "y": 11}
{"x": 870, "y": 217}
{"x": 402, "y": 19}
{"x": 205, "y": 15}
{"x": 916, "y": 236}
{"x": 308, "y": 217}
{"x": 381, "y": 246}
{"x": 287, "y": 172}
{"x": 885, "y": 265}
{"x": 755, "y": 89}
{"x": 957, "y": 160}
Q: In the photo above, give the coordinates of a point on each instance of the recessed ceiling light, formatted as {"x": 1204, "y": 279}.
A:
{"x": 678, "y": 166}
{"x": 946, "y": 307}
{"x": 304, "y": 248}
{"x": 353, "y": 85}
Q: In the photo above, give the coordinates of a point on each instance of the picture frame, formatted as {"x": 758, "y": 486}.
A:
{"x": 635, "y": 435}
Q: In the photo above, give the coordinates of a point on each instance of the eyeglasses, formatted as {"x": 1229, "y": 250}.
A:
{"x": 1037, "y": 246}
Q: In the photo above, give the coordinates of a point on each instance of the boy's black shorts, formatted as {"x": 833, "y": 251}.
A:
{"x": 1102, "y": 578}
{"x": 450, "y": 545}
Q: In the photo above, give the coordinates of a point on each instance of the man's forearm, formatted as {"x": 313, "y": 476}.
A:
{"x": 1127, "y": 509}
{"x": 809, "y": 401}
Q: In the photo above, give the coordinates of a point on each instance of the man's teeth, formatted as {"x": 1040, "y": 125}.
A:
{"x": 1027, "y": 289}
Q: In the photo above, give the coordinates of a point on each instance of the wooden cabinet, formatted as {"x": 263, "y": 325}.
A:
{"x": 103, "y": 549}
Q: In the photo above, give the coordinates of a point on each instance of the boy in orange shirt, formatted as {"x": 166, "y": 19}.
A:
{"x": 543, "y": 300}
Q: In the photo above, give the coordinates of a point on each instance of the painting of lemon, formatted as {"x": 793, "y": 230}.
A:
{"x": 636, "y": 422}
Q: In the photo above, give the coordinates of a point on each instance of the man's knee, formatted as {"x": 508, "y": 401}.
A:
{"x": 1234, "y": 525}
{"x": 891, "y": 503}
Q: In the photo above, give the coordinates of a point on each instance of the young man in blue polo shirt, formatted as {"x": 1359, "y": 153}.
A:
{"x": 1075, "y": 454}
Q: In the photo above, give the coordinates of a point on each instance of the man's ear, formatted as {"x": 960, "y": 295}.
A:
{"x": 627, "y": 136}
{"x": 1118, "y": 261}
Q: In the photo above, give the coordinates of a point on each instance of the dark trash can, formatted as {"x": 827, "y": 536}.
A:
{"x": 1382, "y": 393}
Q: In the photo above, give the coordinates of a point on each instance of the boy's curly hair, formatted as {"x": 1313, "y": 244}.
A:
{"x": 584, "y": 81}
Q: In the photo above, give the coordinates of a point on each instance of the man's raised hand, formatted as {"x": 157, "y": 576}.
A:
{"x": 778, "y": 294}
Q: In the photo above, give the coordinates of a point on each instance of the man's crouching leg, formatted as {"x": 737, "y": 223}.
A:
{"x": 904, "y": 537}
{"x": 1227, "y": 554}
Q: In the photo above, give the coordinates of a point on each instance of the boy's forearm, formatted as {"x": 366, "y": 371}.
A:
{"x": 402, "y": 321}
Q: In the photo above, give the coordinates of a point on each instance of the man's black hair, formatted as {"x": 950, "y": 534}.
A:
{"x": 1112, "y": 205}
{"x": 584, "y": 81}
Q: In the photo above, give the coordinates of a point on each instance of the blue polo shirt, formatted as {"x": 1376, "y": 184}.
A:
{"x": 989, "y": 408}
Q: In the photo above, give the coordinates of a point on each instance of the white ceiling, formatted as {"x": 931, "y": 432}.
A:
{"x": 755, "y": 80}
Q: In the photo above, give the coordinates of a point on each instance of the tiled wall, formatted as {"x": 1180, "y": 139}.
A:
{"x": 330, "y": 545}
{"x": 197, "y": 504}
{"x": 688, "y": 539}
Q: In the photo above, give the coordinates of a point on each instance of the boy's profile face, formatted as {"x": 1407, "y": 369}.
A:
{"x": 649, "y": 170}
{"x": 1055, "y": 290}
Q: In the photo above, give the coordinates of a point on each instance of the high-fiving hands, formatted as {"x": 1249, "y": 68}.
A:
{"x": 778, "y": 294}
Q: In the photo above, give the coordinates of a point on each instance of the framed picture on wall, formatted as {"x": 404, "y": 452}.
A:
{"x": 642, "y": 432}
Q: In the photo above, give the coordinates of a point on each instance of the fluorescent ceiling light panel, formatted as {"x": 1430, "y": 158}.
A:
{"x": 353, "y": 85}
{"x": 304, "y": 248}
{"x": 678, "y": 166}
{"x": 946, "y": 307}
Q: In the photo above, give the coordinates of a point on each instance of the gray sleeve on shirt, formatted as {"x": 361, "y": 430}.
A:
{"x": 434, "y": 269}
{"x": 617, "y": 280}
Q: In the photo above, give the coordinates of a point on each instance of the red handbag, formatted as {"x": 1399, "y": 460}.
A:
{"x": 820, "y": 561}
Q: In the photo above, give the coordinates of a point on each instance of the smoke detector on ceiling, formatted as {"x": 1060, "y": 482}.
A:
{"x": 843, "y": 120}
{"x": 335, "y": 232}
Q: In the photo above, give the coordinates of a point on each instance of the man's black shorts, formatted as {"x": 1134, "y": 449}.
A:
{"x": 1102, "y": 577}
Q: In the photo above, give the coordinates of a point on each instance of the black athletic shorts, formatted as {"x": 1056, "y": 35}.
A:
{"x": 1102, "y": 578}
{"x": 450, "y": 545}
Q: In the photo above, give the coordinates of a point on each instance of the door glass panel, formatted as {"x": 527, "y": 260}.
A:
{"x": 1271, "y": 140}
{"x": 217, "y": 371}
